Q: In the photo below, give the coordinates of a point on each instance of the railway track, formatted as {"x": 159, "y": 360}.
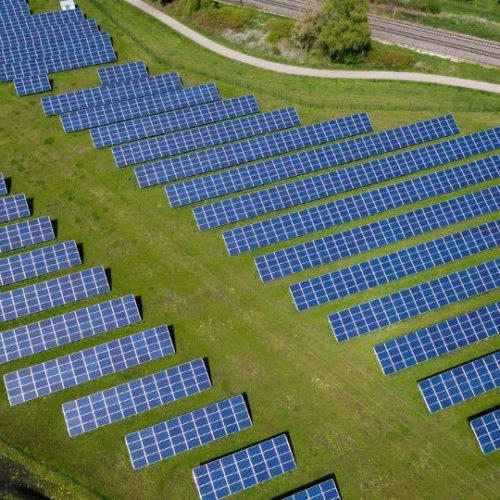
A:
{"x": 415, "y": 36}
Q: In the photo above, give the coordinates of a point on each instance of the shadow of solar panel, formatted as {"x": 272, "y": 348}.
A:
{"x": 13, "y": 207}
{"x": 487, "y": 431}
{"x": 137, "y": 396}
{"x": 340, "y": 181}
{"x": 244, "y": 469}
{"x": 325, "y": 490}
{"x": 461, "y": 383}
{"x": 394, "y": 266}
{"x": 38, "y": 262}
{"x": 135, "y": 108}
{"x": 438, "y": 339}
{"x": 68, "y": 328}
{"x": 187, "y": 432}
{"x": 419, "y": 299}
{"x": 211, "y": 135}
{"x": 82, "y": 366}
{"x": 277, "y": 169}
{"x": 173, "y": 121}
{"x": 334, "y": 213}
{"x": 25, "y": 233}
{"x": 127, "y": 72}
{"x": 3, "y": 185}
{"x": 250, "y": 150}
{"x": 52, "y": 293}
{"x": 377, "y": 234}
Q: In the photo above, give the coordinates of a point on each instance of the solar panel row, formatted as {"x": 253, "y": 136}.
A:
{"x": 188, "y": 431}
{"x": 13, "y": 207}
{"x": 82, "y": 366}
{"x": 334, "y": 213}
{"x": 3, "y": 185}
{"x": 38, "y": 262}
{"x": 309, "y": 161}
{"x": 325, "y": 490}
{"x": 461, "y": 383}
{"x": 376, "y": 234}
{"x": 135, "y": 108}
{"x": 339, "y": 181}
{"x": 211, "y": 135}
{"x": 67, "y": 328}
{"x": 419, "y": 299}
{"x": 246, "y": 151}
{"x": 438, "y": 339}
{"x": 52, "y": 293}
{"x": 394, "y": 266}
{"x": 487, "y": 431}
{"x": 25, "y": 233}
{"x": 172, "y": 121}
{"x": 111, "y": 75}
{"x": 32, "y": 84}
{"x": 244, "y": 469}
{"x": 137, "y": 396}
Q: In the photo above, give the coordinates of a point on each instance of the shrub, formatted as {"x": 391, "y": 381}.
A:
{"x": 217, "y": 20}
{"x": 279, "y": 29}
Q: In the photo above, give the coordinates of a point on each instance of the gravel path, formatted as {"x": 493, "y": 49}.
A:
{"x": 304, "y": 71}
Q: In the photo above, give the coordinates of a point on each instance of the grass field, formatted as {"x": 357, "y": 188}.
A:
{"x": 343, "y": 416}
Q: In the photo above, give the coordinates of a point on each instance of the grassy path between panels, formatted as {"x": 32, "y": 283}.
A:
{"x": 342, "y": 414}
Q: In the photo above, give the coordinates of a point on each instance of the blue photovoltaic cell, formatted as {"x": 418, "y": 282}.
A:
{"x": 99, "y": 96}
{"x": 135, "y": 108}
{"x": 211, "y": 135}
{"x": 461, "y": 383}
{"x": 189, "y": 431}
{"x": 326, "y": 490}
{"x": 251, "y": 150}
{"x": 3, "y": 185}
{"x": 82, "y": 366}
{"x": 32, "y": 84}
{"x": 20, "y": 267}
{"x": 181, "y": 119}
{"x": 438, "y": 339}
{"x": 52, "y": 293}
{"x": 244, "y": 469}
{"x": 487, "y": 431}
{"x": 339, "y": 181}
{"x": 335, "y": 213}
{"x": 247, "y": 177}
{"x": 377, "y": 234}
{"x": 137, "y": 396}
{"x": 112, "y": 75}
{"x": 394, "y": 266}
{"x": 67, "y": 328}
{"x": 25, "y": 233}
{"x": 419, "y": 299}
{"x": 13, "y": 207}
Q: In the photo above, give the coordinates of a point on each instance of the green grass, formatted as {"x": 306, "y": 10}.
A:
{"x": 343, "y": 415}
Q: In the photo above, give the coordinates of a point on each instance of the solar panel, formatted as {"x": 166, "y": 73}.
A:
{"x": 13, "y": 207}
{"x": 3, "y": 185}
{"x": 52, "y": 293}
{"x": 326, "y": 490}
{"x": 135, "y": 108}
{"x": 82, "y": 366}
{"x": 487, "y": 431}
{"x": 99, "y": 96}
{"x": 419, "y": 299}
{"x": 132, "y": 71}
{"x": 137, "y": 396}
{"x": 309, "y": 161}
{"x": 251, "y": 150}
{"x": 394, "y": 266}
{"x": 211, "y": 135}
{"x": 187, "y": 432}
{"x": 194, "y": 116}
{"x": 25, "y": 233}
{"x": 377, "y": 234}
{"x": 20, "y": 267}
{"x": 461, "y": 383}
{"x": 438, "y": 339}
{"x": 339, "y": 181}
{"x": 68, "y": 328}
{"x": 244, "y": 469}
{"x": 334, "y": 213}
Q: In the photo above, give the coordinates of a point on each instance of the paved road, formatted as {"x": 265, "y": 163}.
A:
{"x": 304, "y": 71}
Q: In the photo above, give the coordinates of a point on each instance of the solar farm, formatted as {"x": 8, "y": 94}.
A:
{"x": 210, "y": 289}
